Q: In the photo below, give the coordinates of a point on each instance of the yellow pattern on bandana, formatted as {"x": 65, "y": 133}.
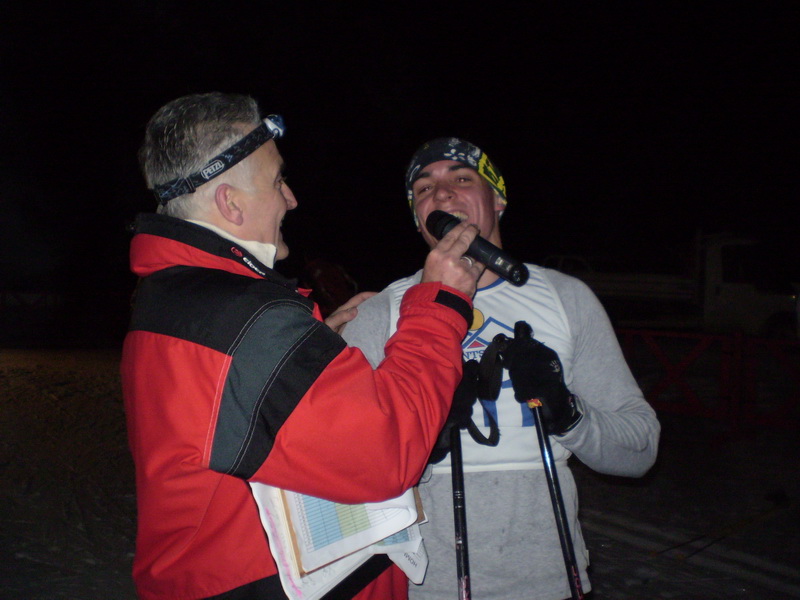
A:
{"x": 488, "y": 171}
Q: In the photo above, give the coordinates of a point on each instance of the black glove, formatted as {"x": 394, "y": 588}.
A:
{"x": 536, "y": 373}
{"x": 460, "y": 415}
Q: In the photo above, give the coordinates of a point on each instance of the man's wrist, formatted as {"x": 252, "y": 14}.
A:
{"x": 575, "y": 415}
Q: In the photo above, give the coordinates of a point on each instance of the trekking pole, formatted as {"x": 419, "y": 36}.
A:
{"x": 465, "y": 396}
{"x": 459, "y": 515}
{"x": 553, "y": 486}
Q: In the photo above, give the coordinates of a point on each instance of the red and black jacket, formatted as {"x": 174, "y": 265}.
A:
{"x": 229, "y": 375}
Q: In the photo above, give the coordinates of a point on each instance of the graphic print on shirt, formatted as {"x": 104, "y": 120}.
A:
{"x": 478, "y": 338}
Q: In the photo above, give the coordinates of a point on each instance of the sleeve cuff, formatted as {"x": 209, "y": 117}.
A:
{"x": 443, "y": 295}
{"x": 457, "y": 303}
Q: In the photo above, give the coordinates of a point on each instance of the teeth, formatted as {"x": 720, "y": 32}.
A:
{"x": 460, "y": 215}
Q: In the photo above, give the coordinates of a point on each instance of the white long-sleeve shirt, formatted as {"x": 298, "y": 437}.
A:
{"x": 510, "y": 517}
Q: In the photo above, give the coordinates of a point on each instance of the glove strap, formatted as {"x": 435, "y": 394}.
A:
{"x": 576, "y": 417}
{"x": 477, "y": 435}
{"x": 490, "y": 369}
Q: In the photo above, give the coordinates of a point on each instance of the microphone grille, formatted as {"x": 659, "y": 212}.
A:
{"x": 440, "y": 222}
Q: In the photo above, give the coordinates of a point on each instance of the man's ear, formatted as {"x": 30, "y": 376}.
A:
{"x": 499, "y": 205}
{"x": 226, "y": 199}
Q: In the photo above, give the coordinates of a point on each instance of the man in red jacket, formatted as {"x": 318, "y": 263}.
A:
{"x": 229, "y": 375}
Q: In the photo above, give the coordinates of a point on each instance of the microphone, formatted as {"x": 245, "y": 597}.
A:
{"x": 497, "y": 261}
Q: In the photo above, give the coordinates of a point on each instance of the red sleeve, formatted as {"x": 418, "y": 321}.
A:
{"x": 364, "y": 435}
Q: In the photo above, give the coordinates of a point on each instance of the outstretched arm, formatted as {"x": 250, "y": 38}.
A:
{"x": 619, "y": 431}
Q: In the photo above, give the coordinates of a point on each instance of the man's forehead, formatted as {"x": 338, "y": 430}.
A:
{"x": 268, "y": 159}
{"x": 453, "y": 166}
{"x": 270, "y": 152}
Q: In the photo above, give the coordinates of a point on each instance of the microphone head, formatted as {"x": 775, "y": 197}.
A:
{"x": 518, "y": 275}
{"x": 439, "y": 223}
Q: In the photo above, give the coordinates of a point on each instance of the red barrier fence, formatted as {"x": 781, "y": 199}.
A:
{"x": 733, "y": 378}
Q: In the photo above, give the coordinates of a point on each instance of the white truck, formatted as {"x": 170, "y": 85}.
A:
{"x": 730, "y": 286}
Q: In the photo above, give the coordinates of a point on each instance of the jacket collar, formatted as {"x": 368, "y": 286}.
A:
{"x": 161, "y": 242}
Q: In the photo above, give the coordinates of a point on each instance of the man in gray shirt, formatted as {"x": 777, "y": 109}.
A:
{"x": 515, "y": 550}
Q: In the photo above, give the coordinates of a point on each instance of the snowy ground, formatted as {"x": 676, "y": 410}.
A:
{"x": 67, "y": 507}
{"x": 718, "y": 516}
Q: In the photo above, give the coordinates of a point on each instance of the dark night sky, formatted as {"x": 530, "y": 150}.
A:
{"x": 620, "y": 127}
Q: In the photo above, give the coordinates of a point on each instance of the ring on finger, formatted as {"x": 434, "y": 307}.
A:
{"x": 469, "y": 260}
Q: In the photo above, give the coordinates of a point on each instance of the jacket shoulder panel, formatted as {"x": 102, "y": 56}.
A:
{"x": 278, "y": 357}
{"x": 205, "y": 306}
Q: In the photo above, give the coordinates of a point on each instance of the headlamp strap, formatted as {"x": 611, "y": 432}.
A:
{"x": 272, "y": 127}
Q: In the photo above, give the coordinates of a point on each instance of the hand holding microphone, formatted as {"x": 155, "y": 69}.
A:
{"x": 439, "y": 223}
{"x": 447, "y": 262}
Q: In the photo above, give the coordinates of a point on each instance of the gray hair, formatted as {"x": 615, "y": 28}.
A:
{"x": 185, "y": 134}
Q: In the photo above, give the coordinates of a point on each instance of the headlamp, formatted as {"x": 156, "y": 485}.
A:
{"x": 271, "y": 127}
